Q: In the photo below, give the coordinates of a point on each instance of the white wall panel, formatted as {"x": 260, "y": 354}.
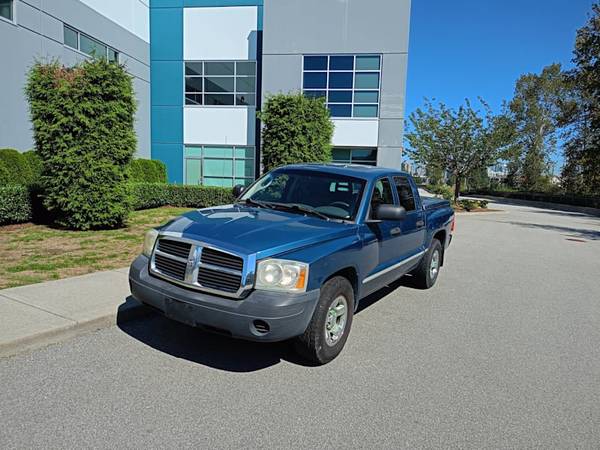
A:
{"x": 220, "y": 33}
{"x": 132, "y": 15}
{"x": 355, "y": 133}
{"x": 219, "y": 125}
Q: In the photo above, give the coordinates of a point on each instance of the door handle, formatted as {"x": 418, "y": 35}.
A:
{"x": 396, "y": 230}
{"x": 420, "y": 223}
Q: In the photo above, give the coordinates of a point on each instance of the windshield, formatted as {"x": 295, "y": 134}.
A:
{"x": 325, "y": 194}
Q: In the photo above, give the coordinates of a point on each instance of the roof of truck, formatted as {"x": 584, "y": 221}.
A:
{"x": 350, "y": 170}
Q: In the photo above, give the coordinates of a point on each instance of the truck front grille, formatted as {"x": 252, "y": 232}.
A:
{"x": 198, "y": 267}
{"x": 170, "y": 267}
{"x": 221, "y": 259}
{"x": 219, "y": 280}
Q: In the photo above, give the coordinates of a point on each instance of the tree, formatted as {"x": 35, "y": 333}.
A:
{"x": 535, "y": 109}
{"x": 581, "y": 172}
{"x": 459, "y": 141}
{"x": 296, "y": 129}
{"x": 83, "y": 125}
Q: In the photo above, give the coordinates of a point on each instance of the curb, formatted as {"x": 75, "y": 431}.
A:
{"x": 130, "y": 310}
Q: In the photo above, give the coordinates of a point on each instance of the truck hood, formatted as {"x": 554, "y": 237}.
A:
{"x": 259, "y": 231}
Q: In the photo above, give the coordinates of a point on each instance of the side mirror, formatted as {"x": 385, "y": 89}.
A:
{"x": 238, "y": 189}
{"x": 389, "y": 212}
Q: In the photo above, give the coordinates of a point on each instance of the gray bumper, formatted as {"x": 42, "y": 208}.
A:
{"x": 287, "y": 315}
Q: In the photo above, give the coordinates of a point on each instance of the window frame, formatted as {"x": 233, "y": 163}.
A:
{"x": 390, "y": 182}
{"x": 353, "y": 90}
{"x": 13, "y": 13}
{"x": 93, "y": 39}
{"x": 249, "y": 179}
{"x": 234, "y": 94}
{"x": 401, "y": 179}
{"x": 352, "y": 161}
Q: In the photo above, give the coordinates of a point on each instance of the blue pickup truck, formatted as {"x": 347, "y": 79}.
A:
{"x": 294, "y": 255}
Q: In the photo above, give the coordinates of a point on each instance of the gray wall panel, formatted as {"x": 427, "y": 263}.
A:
{"x": 389, "y": 157}
{"x": 390, "y": 132}
{"x": 336, "y": 26}
{"x": 393, "y": 86}
{"x": 281, "y": 73}
{"x": 28, "y": 17}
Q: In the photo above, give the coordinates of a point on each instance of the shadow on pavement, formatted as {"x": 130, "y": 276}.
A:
{"x": 579, "y": 211}
{"x": 213, "y": 350}
{"x": 591, "y": 235}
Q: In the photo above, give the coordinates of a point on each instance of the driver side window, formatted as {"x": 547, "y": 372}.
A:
{"x": 382, "y": 194}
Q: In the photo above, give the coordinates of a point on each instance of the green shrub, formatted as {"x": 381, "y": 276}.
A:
{"x": 35, "y": 165}
{"x": 5, "y": 175}
{"x": 296, "y": 129}
{"x": 441, "y": 190}
{"x": 148, "y": 171}
{"x": 17, "y": 167}
{"x": 83, "y": 123}
{"x": 15, "y": 204}
{"x": 154, "y": 195}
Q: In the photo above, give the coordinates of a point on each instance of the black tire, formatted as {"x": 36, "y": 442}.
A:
{"x": 317, "y": 344}
{"x": 423, "y": 274}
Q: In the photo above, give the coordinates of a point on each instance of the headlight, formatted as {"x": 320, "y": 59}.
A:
{"x": 281, "y": 275}
{"x": 149, "y": 241}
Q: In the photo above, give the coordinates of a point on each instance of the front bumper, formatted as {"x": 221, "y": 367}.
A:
{"x": 286, "y": 314}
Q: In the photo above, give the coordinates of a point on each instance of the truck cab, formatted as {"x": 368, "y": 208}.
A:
{"x": 293, "y": 256}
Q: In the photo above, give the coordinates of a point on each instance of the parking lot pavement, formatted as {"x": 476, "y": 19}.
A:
{"x": 503, "y": 352}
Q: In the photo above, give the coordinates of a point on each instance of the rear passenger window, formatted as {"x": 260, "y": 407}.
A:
{"x": 405, "y": 193}
{"x": 382, "y": 194}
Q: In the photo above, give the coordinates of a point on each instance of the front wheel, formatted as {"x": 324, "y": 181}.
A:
{"x": 427, "y": 272}
{"x": 329, "y": 327}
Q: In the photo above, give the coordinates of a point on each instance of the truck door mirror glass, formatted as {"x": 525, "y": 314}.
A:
{"x": 385, "y": 212}
{"x": 238, "y": 189}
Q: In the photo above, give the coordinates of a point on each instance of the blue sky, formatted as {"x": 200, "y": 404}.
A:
{"x": 469, "y": 48}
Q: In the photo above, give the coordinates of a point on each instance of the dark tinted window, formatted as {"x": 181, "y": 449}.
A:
{"x": 315, "y": 63}
{"x": 340, "y": 96}
{"x": 314, "y": 80}
{"x": 405, "y": 193}
{"x": 341, "y": 63}
{"x": 340, "y": 110}
{"x": 382, "y": 194}
{"x": 340, "y": 80}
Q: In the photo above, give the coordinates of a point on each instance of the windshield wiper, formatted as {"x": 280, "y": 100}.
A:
{"x": 300, "y": 208}
{"x": 249, "y": 201}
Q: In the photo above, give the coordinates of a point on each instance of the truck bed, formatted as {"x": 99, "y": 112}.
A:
{"x": 434, "y": 203}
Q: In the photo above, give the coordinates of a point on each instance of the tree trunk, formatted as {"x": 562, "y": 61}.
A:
{"x": 456, "y": 187}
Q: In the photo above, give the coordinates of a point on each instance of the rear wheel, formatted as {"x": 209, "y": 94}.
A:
{"x": 328, "y": 329}
{"x": 427, "y": 272}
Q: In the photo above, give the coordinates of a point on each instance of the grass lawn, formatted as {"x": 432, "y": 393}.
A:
{"x": 34, "y": 253}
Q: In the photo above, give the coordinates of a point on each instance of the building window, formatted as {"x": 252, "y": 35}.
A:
{"x": 213, "y": 165}
{"x": 355, "y": 155}
{"x": 350, "y": 84}
{"x": 6, "y": 9}
{"x": 88, "y": 45}
{"x": 217, "y": 83}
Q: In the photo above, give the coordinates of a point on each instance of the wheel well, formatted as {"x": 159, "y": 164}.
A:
{"x": 441, "y": 236}
{"x": 350, "y": 274}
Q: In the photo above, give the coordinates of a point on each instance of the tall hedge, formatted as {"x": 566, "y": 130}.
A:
{"x": 296, "y": 129}
{"x": 83, "y": 123}
{"x": 148, "y": 171}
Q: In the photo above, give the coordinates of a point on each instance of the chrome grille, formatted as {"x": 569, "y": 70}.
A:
{"x": 170, "y": 267}
{"x": 175, "y": 248}
{"x": 221, "y": 259}
{"x": 219, "y": 280}
{"x": 199, "y": 266}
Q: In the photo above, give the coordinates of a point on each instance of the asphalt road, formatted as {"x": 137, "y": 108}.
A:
{"x": 503, "y": 352}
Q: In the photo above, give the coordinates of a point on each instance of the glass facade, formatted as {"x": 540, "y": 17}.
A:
{"x": 215, "y": 83}
{"x": 225, "y": 166}
{"x": 355, "y": 155}
{"x": 6, "y": 9}
{"x": 89, "y": 46}
{"x": 350, "y": 84}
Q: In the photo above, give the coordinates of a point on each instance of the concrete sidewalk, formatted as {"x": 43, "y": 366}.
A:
{"x": 40, "y": 314}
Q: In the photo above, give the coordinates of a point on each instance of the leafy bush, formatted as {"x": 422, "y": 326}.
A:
{"x": 441, "y": 190}
{"x": 35, "y": 165}
{"x": 83, "y": 121}
{"x": 5, "y": 175}
{"x": 15, "y": 204}
{"x": 154, "y": 195}
{"x": 16, "y": 167}
{"x": 469, "y": 205}
{"x": 296, "y": 129}
{"x": 148, "y": 171}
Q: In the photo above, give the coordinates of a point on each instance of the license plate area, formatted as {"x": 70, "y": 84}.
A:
{"x": 179, "y": 311}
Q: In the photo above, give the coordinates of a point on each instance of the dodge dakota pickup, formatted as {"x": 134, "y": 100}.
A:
{"x": 294, "y": 255}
